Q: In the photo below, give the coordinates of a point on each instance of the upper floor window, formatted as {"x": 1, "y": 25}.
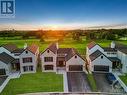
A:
{"x": 101, "y": 57}
{"x": 47, "y": 51}
{"x": 26, "y": 52}
{"x": 48, "y": 59}
{"x": 27, "y": 59}
{"x": 75, "y": 56}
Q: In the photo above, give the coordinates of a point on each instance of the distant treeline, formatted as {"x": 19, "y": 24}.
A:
{"x": 108, "y": 34}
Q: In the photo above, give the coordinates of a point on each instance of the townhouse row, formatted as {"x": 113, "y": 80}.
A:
{"x": 53, "y": 58}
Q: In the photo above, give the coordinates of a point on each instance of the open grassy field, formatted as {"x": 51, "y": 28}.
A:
{"x": 38, "y": 82}
{"x": 67, "y": 42}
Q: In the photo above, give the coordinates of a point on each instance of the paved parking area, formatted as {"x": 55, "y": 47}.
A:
{"x": 102, "y": 83}
{"x": 77, "y": 82}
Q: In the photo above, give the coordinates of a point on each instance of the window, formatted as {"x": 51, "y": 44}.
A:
{"x": 25, "y": 68}
{"x": 31, "y": 68}
{"x": 101, "y": 57}
{"x": 28, "y": 59}
{"x": 75, "y": 56}
{"x": 48, "y": 59}
{"x": 26, "y": 52}
{"x": 47, "y": 51}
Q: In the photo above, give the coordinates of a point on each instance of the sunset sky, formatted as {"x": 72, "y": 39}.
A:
{"x": 66, "y": 14}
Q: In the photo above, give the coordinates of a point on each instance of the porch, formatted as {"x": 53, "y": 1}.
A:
{"x": 116, "y": 64}
{"x": 15, "y": 66}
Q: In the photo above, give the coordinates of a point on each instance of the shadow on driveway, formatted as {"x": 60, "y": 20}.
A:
{"x": 77, "y": 82}
{"x": 102, "y": 83}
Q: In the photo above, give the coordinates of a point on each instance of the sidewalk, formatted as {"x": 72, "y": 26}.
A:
{"x": 65, "y": 82}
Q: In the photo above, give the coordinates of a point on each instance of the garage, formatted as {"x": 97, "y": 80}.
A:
{"x": 101, "y": 68}
{"x": 48, "y": 67}
{"x": 2, "y": 72}
{"x": 75, "y": 68}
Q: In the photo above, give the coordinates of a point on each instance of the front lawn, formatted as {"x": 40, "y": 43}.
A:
{"x": 37, "y": 82}
{"x": 124, "y": 79}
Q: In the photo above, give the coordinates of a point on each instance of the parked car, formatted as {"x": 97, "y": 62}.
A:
{"x": 110, "y": 78}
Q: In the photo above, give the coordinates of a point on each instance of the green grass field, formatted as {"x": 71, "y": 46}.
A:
{"x": 124, "y": 79}
{"x": 44, "y": 82}
{"x": 38, "y": 82}
{"x": 67, "y": 43}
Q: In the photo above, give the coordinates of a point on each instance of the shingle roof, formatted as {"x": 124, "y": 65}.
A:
{"x": 123, "y": 50}
{"x": 114, "y": 59}
{"x": 91, "y": 45}
{"x": 71, "y": 53}
{"x": 32, "y": 48}
{"x": 4, "y": 57}
{"x": 120, "y": 46}
{"x": 63, "y": 50}
{"x": 19, "y": 50}
{"x": 108, "y": 49}
{"x": 15, "y": 61}
{"x": 53, "y": 47}
{"x": 10, "y": 47}
{"x": 95, "y": 55}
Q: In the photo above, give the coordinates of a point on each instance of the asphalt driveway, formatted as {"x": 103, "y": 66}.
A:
{"x": 102, "y": 83}
{"x": 77, "y": 82}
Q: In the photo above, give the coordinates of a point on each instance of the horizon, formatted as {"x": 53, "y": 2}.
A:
{"x": 67, "y": 15}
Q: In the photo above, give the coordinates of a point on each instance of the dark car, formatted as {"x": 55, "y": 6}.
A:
{"x": 110, "y": 78}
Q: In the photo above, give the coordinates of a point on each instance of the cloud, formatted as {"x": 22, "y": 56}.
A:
{"x": 59, "y": 26}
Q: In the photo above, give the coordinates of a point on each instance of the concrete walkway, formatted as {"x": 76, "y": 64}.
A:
{"x": 14, "y": 75}
{"x": 65, "y": 82}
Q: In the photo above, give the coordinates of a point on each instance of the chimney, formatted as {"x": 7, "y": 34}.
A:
{"x": 25, "y": 45}
{"x": 57, "y": 46}
{"x": 112, "y": 44}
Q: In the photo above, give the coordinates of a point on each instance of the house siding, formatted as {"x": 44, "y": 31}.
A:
{"x": 103, "y": 62}
{"x": 75, "y": 61}
{"x": 123, "y": 58}
{"x": 33, "y": 63}
{"x": 50, "y": 54}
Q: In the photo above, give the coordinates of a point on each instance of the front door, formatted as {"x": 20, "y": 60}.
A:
{"x": 61, "y": 64}
{"x": 16, "y": 66}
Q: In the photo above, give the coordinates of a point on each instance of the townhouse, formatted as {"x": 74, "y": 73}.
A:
{"x": 68, "y": 59}
{"x": 107, "y": 59}
{"x": 13, "y": 58}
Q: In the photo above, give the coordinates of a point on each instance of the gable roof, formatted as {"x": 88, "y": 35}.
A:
{"x": 95, "y": 55}
{"x": 10, "y": 47}
{"x": 91, "y": 44}
{"x": 32, "y": 48}
{"x": 63, "y": 50}
{"x": 4, "y": 57}
{"x": 53, "y": 47}
{"x": 71, "y": 53}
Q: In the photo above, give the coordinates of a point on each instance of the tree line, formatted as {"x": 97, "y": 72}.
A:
{"x": 108, "y": 34}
